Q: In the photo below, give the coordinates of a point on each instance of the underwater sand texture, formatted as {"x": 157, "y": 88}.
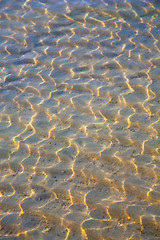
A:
{"x": 80, "y": 120}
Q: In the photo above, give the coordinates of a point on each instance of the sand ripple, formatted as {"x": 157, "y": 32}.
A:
{"x": 79, "y": 120}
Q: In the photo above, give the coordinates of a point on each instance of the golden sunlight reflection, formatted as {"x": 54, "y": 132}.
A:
{"x": 79, "y": 120}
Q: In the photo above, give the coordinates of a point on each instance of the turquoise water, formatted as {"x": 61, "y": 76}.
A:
{"x": 80, "y": 120}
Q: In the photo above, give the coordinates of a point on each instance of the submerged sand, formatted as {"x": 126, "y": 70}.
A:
{"x": 79, "y": 120}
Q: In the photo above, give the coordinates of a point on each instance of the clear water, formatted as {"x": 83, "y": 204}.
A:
{"x": 80, "y": 119}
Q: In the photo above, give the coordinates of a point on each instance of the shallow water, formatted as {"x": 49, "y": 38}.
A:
{"x": 79, "y": 119}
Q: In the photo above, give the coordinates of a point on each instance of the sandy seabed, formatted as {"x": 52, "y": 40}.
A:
{"x": 79, "y": 120}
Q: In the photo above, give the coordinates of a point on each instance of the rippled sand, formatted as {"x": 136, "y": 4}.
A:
{"x": 80, "y": 120}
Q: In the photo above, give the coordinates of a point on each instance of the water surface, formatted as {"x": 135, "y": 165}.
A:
{"x": 79, "y": 119}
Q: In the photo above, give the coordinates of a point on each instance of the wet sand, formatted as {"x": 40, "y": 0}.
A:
{"x": 79, "y": 120}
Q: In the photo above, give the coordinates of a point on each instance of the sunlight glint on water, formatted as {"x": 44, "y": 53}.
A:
{"x": 79, "y": 119}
